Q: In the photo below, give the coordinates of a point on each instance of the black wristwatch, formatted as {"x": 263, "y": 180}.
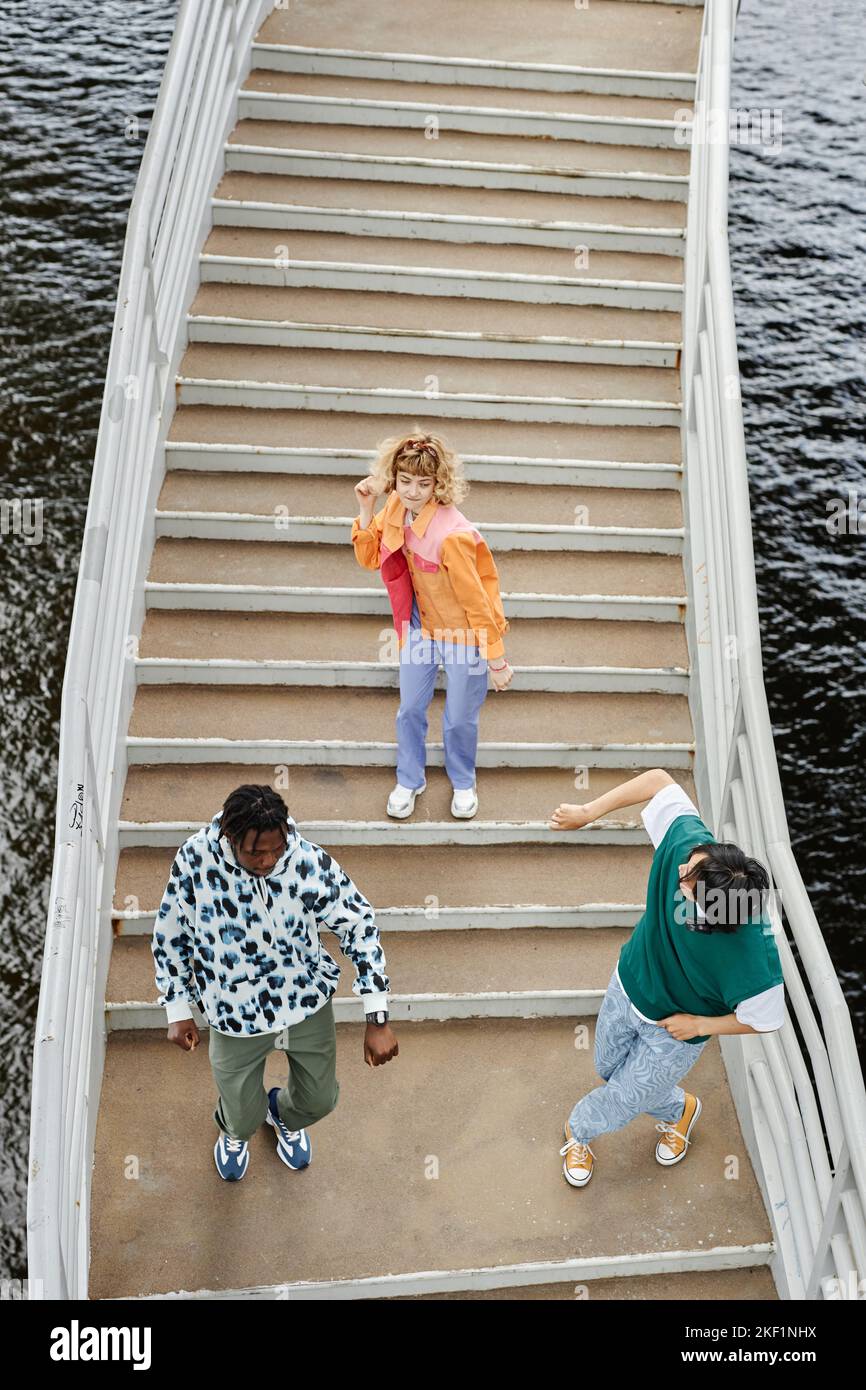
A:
{"x": 379, "y": 1017}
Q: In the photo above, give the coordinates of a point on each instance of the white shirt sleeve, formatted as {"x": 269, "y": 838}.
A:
{"x": 764, "y": 1012}
{"x": 177, "y": 1009}
{"x": 663, "y": 809}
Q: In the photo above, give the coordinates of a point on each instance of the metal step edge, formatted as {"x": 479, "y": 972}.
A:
{"x": 334, "y": 530}
{"x": 459, "y": 227}
{"x": 269, "y": 458}
{"x": 445, "y": 283}
{"x": 648, "y": 132}
{"x": 205, "y": 328}
{"x": 449, "y": 273}
{"x": 580, "y": 1270}
{"x": 455, "y": 173}
{"x": 157, "y": 670}
{"x": 262, "y": 598}
{"x": 590, "y": 917}
{"x": 477, "y": 72}
{"x": 159, "y": 834}
{"x": 406, "y": 1008}
{"x": 142, "y": 749}
{"x": 263, "y": 395}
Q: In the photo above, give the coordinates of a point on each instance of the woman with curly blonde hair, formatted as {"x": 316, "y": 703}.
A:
{"x": 444, "y": 591}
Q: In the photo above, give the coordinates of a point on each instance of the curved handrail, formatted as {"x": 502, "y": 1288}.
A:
{"x": 181, "y": 158}
{"x": 827, "y": 1253}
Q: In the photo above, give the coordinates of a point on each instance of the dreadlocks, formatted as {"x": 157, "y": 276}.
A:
{"x": 253, "y": 808}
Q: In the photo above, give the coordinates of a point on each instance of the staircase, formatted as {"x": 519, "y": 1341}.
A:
{"x": 486, "y": 240}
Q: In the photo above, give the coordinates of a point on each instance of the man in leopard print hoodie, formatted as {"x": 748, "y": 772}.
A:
{"x": 237, "y": 933}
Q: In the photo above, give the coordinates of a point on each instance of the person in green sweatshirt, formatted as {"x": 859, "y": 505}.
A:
{"x": 701, "y": 961}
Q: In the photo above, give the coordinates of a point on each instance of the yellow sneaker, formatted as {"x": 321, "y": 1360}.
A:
{"x": 577, "y": 1162}
{"x": 673, "y": 1146}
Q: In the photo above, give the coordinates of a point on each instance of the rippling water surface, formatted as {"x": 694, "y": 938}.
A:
{"x": 78, "y": 79}
{"x": 798, "y": 253}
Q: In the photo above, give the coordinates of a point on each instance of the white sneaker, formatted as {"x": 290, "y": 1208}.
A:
{"x": 464, "y": 803}
{"x": 578, "y": 1160}
{"x": 401, "y": 802}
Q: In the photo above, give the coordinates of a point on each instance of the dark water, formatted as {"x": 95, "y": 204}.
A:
{"x": 75, "y": 75}
{"x": 798, "y": 254}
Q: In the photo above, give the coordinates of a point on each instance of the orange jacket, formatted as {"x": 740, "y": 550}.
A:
{"x": 451, "y": 569}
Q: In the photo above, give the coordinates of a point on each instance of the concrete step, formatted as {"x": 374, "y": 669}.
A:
{"x": 431, "y": 402}
{"x": 516, "y": 538}
{"x": 481, "y": 962}
{"x": 285, "y": 378}
{"x": 364, "y": 598}
{"x": 561, "y": 262}
{"x": 433, "y": 94}
{"x": 163, "y": 802}
{"x": 465, "y": 175}
{"x": 270, "y": 258}
{"x": 273, "y": 636}
{"x": 434, "y": 118}
{"x": 294, "y": 331}
{"x": 449, "y": 879}
{"x": 480, "y": 1080}
{"x": 332, "y": 793}
{"x": 544, "y": 347}
{"x": 368, "y": 206}
{"x": 217, "y": 561}
{"x": 304, "y": 159}
{"x": 407, "y": 372}
{"x": 572, "y": 157}
{"x": 433, "y": 108}
{"x": 596, "y": 475}
{"x": 625, "y": 40}
{"x": 352, "y": 436}
{"x": 333, "y": 673}
{"x": 238, "y": 713}
{"x": 309, "y": 495}
{"x": 360, "y": 599}
{"x": 274, "y": 315}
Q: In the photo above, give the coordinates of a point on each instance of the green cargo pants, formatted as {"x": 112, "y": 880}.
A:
{"x": 238, "y": 1065}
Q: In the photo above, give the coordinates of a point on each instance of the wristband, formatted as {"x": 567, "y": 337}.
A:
{"x": 499, "y": 668}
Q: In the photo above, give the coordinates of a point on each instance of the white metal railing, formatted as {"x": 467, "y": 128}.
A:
{"x": 802, "y": 1105}
{"x": 806, "y": 1132}
{"x": 181, "y": 160}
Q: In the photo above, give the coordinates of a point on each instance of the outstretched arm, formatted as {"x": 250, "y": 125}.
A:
{"x": 640, "y": 788}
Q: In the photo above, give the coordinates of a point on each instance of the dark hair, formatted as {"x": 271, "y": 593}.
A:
{"x": 253, "y": 808}
{"x": 731, "y": 883}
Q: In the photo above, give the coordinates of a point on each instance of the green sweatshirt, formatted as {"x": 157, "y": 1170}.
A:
{"x": 666, "y": 967}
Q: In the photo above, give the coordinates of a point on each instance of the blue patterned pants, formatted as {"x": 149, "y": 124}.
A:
{"x": 640, "y": 1064}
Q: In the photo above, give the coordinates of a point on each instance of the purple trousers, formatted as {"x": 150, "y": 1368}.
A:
{"x": 466, "y": 689}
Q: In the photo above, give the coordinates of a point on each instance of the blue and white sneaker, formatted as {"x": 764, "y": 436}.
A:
{"x": 231, "y": 1157}
{"x": 293, "y": 1145}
